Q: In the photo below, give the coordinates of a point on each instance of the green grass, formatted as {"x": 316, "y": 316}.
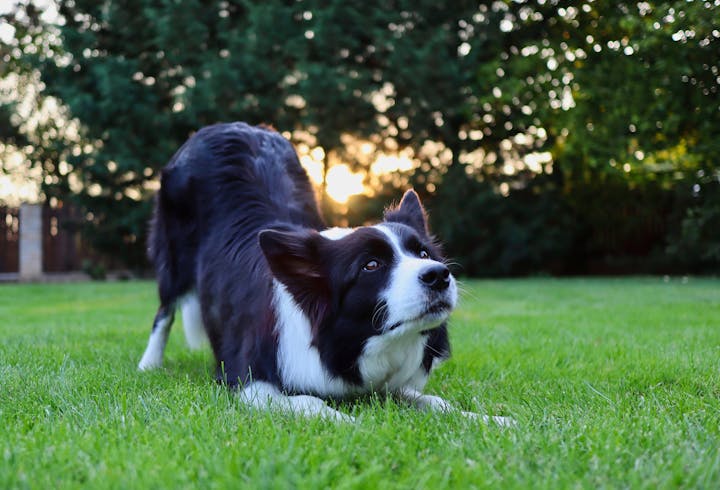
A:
{"x": 613, "y": 382}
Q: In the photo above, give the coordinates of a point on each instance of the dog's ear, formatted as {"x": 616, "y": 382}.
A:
{"x": 292, "y": 254}
{"x": 295, "y": 260}
{"x": 409, "y": 212}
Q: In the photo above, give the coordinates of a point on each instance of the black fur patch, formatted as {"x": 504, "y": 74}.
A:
{"x": 235, "y": 211}
{"x": 224, "y": 186}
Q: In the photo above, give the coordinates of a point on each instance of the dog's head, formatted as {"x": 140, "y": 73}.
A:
{"x": 353, "y": 284}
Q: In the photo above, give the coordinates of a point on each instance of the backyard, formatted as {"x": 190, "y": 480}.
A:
{"x": 613, "y": 383}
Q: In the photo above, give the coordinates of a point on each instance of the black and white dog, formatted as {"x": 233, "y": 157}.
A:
{"x": 294, "y": 312}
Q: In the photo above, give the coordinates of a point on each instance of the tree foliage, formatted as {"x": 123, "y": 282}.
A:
{"x": 548, "y": 136}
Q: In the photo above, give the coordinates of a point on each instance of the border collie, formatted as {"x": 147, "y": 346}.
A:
{"x": 295, "y": 313}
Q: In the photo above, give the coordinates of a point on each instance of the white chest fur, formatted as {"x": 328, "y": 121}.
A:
{"x": 299, "y": 362}
{"x": 387, "y": 362}
{"x": 392, "y": 361}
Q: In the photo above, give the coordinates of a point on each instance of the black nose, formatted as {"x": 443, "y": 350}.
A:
{"x": 436, "y": 277}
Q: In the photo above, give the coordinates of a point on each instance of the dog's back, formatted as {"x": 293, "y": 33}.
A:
{"x": 227, "y": 175}
{"x": 223, "y": 186}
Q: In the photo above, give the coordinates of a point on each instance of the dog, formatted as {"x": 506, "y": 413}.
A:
{"x": 295, "y": 313}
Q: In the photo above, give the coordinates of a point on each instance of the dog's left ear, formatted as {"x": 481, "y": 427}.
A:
{"x": 410, "y": 212}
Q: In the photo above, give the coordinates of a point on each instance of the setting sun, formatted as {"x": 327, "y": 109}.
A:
{"x": 343, "y": 183}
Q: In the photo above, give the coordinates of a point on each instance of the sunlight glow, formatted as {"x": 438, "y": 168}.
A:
{"x": 343, "y": 183}
{"x": 535, "y": 161}
{"x": 313, "y": 168}
{"x": 385, "y": 164}
{"x": 18, "y": 182}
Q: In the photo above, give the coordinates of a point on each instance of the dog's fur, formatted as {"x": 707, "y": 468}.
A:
{"x": 294, "y": 312}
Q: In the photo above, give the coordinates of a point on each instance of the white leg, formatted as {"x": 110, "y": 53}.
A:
{"x": 153, "y": 356}
{"x": 437, "y": 404}
{"x": 263, "y": 395}
{"x": 425, "y": 402}
{"x": 195, "y": 335}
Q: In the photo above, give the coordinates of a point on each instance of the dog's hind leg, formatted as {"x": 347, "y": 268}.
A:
{"x": 192, "y": 321}
{"x": 153, "y": 356}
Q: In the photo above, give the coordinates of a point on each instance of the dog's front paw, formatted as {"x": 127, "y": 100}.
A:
{"x": 310, "y": 406}
{"x": 504, "y": 421}
{"x": 336, "y": 416}
{"x": 473, "y": 415}
{"x": 497, "y": 420}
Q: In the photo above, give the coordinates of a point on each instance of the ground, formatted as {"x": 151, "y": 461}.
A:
{"x": 613, "y": 383}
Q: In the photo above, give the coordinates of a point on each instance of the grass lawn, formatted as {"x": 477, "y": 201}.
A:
{"x": 613, "y": 382}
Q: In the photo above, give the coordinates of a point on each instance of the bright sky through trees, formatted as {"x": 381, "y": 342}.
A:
{"x": 567, "y": 134}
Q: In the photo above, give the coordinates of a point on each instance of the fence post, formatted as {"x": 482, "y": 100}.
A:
{"x": 31, "y": 242}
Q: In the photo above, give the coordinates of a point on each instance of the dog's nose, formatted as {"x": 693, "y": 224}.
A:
{"x": 436, "y": 277}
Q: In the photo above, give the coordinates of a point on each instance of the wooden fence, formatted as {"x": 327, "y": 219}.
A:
{"x": 62, "y": 246}
{"x": 9, "y": 240}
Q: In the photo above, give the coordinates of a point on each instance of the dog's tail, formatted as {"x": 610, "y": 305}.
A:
{"x": 173, "y": 241}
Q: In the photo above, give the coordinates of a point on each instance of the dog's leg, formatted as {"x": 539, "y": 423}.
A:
{"x": 260, "y": 394}
{"x": 153, "y": 355}
{"x": 437, "y": 404}
{"x": 192, "y": 322}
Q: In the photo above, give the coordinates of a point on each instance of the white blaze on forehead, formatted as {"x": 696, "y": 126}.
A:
{"x": 336, "y": 233}
{"x": 406, "y": 297}
{"x": 394, "y": 239}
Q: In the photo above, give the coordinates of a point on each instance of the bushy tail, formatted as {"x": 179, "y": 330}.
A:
{"x": 172, "y": 245}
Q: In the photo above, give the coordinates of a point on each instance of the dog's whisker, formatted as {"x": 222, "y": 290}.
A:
{"x": 379, "y": 312}
{"x": 466, "y": 292}
{"x": 434, "y": 350}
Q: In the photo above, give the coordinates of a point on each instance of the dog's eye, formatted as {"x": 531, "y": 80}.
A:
{"x": 424, "y": 254}
{"x": 373, "y": 265}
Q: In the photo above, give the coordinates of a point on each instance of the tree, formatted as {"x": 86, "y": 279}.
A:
{"x": 592, "y": 125}
{"x": 639, "y": 134}
{"x": 139, "y": 78}
{"x": 601, "y": 87}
